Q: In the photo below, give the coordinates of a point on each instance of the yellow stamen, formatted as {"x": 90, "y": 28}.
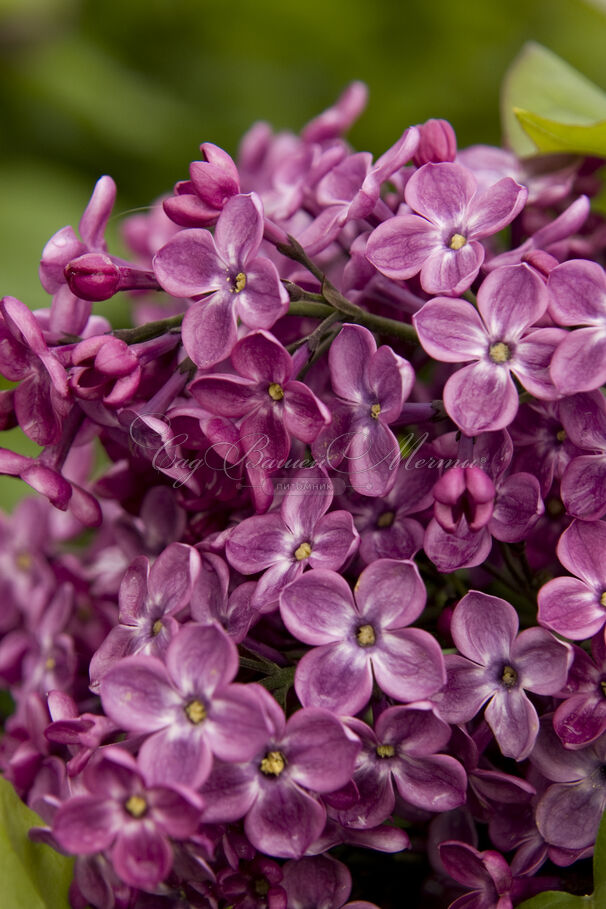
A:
{"x": 509, "y": 677}
{"x": 385, "y": 751}
{"x": 499, "y": 352}
{"x": 273, "y": 763}
{"x": 386, "y": 519}
{"x": 366, "y": 636}
{"x": 23, "y": 561}
{"x": 136, "y": 805}
{"x": 375, "y": 410}
{"x": 603, "y": 599}
{"x": 457, "y": 241}
{"x": 302, "y": 552}
{"x": 561, "y": 435}
{"x": 195, "y": 712}
{"x": 157, "y": 627}
{"x": 275, "y": 391}
{"x": 50, "y": 663}
{"x": 239, "y": 282}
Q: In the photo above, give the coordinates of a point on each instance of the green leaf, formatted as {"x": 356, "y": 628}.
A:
{"x": 552, "y": 136}
{"x": 599, "y": 858}
{"x": 541, "y": 83}
{"x": 33, "y": 875}
{"x": 551, "y": 899}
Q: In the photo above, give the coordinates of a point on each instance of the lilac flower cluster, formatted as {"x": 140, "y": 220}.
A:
{"x": 317, "y": 557}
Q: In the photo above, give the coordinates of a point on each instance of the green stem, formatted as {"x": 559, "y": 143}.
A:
{"x": 148, "y": 331}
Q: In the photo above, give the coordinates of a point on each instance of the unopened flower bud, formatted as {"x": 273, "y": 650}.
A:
{"x": 438, "y": 143}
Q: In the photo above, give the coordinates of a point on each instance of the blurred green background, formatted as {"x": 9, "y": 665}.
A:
{"x": 131, "y": 88}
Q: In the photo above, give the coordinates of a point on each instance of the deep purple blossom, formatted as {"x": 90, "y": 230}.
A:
{"x": 361, "y": 635}
{"x": 497, "y": 340}
{"x": 486, "y": 873}
{"x": 497, "y": 666}
{"x": 225, "y": 269}
{"x": 441, "y": 237}
{"x": 581, "y": 718}
{"x": 132, "y": 820}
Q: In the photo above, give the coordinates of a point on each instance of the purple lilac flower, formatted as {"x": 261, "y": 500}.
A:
{"x": 569, "y": 812}
{"x": 497, "y": 666}
{"x": 499, "y": 339}
{"x": 486, "y": 873}
{"x": 226, "y": 270}
{"x": 277, "y": 791}
{"x": 199, "y": 201}
{"x": 319, "y": 882}
{"x": 273, "y": 405}
{"x": 69, "y": 314}
{"x": 131, "y": 819}
{"x": 581, "y": 718}
{"x": 441, "y": 238}
{"x": 583, "y": 486}
{"x": 212, "y": 600}
{"x": 301, "y": 535}
{"x": 541, "y": 444}
{"x": 371, "y": 386}
{"x": 188, "y": 706}
{"x": 578, "y": 297}
{"x": 402, "y": 750}
{"x": 149, "y": 600}
{"x": 361, "y": 635}
{"x": 575, "y": 607}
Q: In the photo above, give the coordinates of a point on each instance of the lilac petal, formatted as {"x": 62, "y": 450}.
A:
{"x": 581, "y": 550}
{"x": 514, "y": 722}
{"x": 336, "y": 676}
{"x": 441, "y": 192}
{"x": 517, "y": 508}
{"x": 492, "y": 209}
{"x": 542, "y": 661}
{"x": 348, "y": 359}
{"x": 417, "y": 730}
{"x": 579, "y": 361}
{"x": 178, "y": 754}
{"x": 209, "y": 330}
{"x": 235, "y": 727}
{"x": 451, "y": 330}
{"x": 318, "y": 607}
{"x": 319, "y": 751}
{"x": 511, "y": 299}
{"x": 391, "y": 379}
{"x": 451, "y": 551}
{"x": 435, "y": 782}
{"x": 580, "y": 720}
{"x": 264, "y": 299}
{"x": 172, "y": 575}
{"x": 227, "y": 396}
{"x": 176, "y": 811}
{"x": 84, "y": 825}
{"x": 452, "y": 271}
{"x": 570, "y": 608}
{"x": 263, "y": 430}
{"x": 408, "y": 664}
{"x": 259, "y": 542}
{"x": 583, "y": 487}
{"x": 239, "y": 230}
{"x": 201, "y": 659}
{"x": 569, "y": 816}
{"x": 391, "y": 593}
{"x": 58, "y": 251}
{"x": 133, "y": 589}
{"x": 304, "y": 415}
{"x": 373, "y": 456}
{"x": 562, "y": 765}
{"x": 141, "y": 856}
{"x": 335, "y": 540}
{"x": 481, "y": 397}
{"x": 229, "y": 792}
{"x": 578, "y": 293}
{"x": 122, "y": 641}
{"x": 399, "y": 246}
{"x": 307, "y": 500}
{"x": 137, "y": 694}
{"x": 261, "y": 358}
{"x": 34, "y": 410}
{"x": 484, "y": 627}
{"x": 189, "y": 264}
{"x": 321, "y": 882}
{"x": 284, "y": 821}
{"x": 267, "y": 591}
{"x": 467, "y": 688}
{"x": 96, "y": 214}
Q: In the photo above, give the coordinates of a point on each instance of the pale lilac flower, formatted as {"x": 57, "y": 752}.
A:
{"x": 128, "y": 817}
{"x": 441, "y": 238}
{"x": 496, "y": 667}
{"x": 277, "y": 791}
{"x": 271, "y": 404}
{"x": 575, "y": 607}
{"x": 188, "y": 705}
{"x": 301, "y": 535}
{"x": 371, "y": 385}
{"x": 226, "y": 270}
{"x": 497, "y": 341}
{"x": 361, "y": 635}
